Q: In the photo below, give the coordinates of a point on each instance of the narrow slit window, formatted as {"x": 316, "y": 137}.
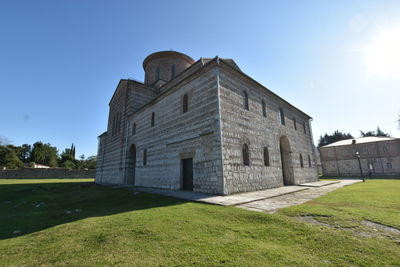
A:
{"x": 301, "y": 161}
{"x": 113, "y": 125}
{"x": 246, "y": 155}
{"x": 264, "y": 109}
{"x": 309, "y": 161}
{"x": 152, "y": 119}
{"x": 304, "y": 127}
{"x": 134, "y": 129}
{"x": 295, "y": 123}
{"x": 246, "y": 100}
{"x": 173, "y": 72}
{"x": 185, "y": 103}
{"x": 158, "y": 73}
{"x": 266, "y": 156}
{"x": 144, "y": 157}
{"x": 282, "y": 116}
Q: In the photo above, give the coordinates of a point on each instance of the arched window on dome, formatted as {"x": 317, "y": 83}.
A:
{"x": 173, "y": 72}
{"x": 158, "y": 73}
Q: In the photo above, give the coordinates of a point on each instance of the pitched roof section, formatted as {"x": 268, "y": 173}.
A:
{"x": 362, "y": 140}
{"x": 195, "y": 67}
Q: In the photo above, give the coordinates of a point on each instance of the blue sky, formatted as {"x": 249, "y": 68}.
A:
{"x": 60, "y": 61}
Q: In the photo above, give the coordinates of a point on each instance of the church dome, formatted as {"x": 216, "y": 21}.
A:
{"x": 162, "y": 67}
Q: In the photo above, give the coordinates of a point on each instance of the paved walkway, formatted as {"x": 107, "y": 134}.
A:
{"x": 271, "y": 205}
{"x": 266, "y": 200}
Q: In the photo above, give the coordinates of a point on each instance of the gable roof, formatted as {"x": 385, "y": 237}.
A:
{"x": 362, "y": 140}
{"x": 230, "y": 63}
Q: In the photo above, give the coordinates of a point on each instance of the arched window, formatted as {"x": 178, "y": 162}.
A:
{"x": 152, "y": 119}
{"x": 173, "y": 72}
{"x": 246, "y": 100}
{"x": 295, "y": 123}
{"x": 185, "y": 103}
{"x": 264, "y": 109}
{"x": 282, "y": 116}
{"x": 245, "y": 154}
{"x": 134, "y": 129}
{"x": 266, "y": 156}
{"x": 144, "y": 157}
{"x": 158, "y": 73}
{"x": 309, "y": 161}
{"x": 301, "y": 161}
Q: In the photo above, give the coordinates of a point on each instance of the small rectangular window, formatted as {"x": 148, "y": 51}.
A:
{"x": 152, "y": 119}
{"x": 389, "y": 165}
{"x": 309, "y": 161}
{"x": 134, "y": 129}
{"x": 144, "y": 157}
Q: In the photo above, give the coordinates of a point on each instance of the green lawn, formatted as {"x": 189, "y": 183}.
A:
{"x": 78, "y": 223}
{"x": 374, "y": 200}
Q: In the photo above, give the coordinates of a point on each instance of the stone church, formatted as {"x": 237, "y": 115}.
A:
{"x": 204, "y": 126}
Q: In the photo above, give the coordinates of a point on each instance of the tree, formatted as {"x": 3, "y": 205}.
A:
{"x": 44, "y": 154}
{"x": 25, "y": 154}
{"x": 90, "y": 162}
{"x": 334, "y": 137}
{"x": 9, "y": 158}
{"x": 378, "y": 132}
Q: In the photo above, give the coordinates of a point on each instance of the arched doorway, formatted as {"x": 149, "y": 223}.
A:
{"x": 130, "y": 178}
{"x": 286, "y": 160}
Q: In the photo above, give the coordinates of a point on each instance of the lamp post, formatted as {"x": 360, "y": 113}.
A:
{"x": 359, "y": 165}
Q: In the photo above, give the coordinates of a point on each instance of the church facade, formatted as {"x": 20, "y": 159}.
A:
{"x": 204, "y": 126}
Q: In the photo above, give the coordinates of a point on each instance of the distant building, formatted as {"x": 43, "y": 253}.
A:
{"x": 378, "y": 155}
{"x": 36, "y": 165}
{"x": 204, "y": 126}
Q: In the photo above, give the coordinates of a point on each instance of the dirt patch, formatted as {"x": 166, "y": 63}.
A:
{"x": 381, "y": 227}
{"x": 371, "y": 230}
{"x": 310, "y": 219}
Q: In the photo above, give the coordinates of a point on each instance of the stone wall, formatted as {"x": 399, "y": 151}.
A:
{"x": 129, "y": 97}
{"x": 174, "y": 136}
{"x": 50, "y": 173}
{"x": 177, "y": 135}
{"x": 250, "y": 126}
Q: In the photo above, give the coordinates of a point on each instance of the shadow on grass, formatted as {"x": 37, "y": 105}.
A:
{"x": 27, "y": 208}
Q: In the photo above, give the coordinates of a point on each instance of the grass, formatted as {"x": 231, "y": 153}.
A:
{"x": 79, "y": 223}
{"x": 374, "y": 200}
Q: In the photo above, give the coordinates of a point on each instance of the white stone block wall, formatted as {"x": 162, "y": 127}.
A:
{"x": 250, "y": 126}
